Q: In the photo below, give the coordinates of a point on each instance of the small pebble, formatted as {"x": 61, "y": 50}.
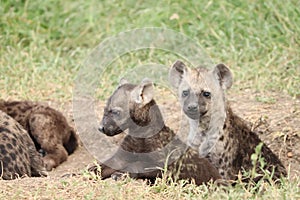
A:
{"x": 290, "y": 154}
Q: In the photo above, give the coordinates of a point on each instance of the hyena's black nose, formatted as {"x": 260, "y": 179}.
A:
{"x": 101, "y": 129}
{"x": 193, "y": 107}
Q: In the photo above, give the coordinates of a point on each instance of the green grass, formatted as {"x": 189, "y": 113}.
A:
{"x": 83, "y": 188}
{"x": 44, "y": 43}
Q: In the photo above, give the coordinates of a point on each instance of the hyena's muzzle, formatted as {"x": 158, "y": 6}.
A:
{"x": 108, "y": 126}
{"x": 194, "y": 106}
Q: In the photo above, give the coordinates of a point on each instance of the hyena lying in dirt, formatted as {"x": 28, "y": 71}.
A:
{"x": 132, "y": 107}
{"x": 47, "y": 127}
{"x": 218, "y": 134}
{"x": 18, "y": 156}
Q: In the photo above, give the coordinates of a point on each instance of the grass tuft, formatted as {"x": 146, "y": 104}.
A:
{"x": 44, "y": 43}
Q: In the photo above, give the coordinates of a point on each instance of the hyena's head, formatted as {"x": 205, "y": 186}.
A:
{"x": 199, "y": 87}
{"x": 127, "y": 107}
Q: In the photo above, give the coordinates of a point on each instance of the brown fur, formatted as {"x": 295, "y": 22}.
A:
{"x": 18, "y": 156}
{"x": 215, "y": 130}
{"x": 47, "y": 127}
{"x": 239, "y": 144}
{"x": 148, "y": 133}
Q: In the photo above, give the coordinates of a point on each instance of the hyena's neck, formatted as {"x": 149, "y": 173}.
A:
{"x": 146, "y": 121}
{"x": 148, "y": 131}
{"x": 205, "y": 132}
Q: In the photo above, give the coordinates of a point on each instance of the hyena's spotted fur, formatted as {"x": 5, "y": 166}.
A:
{"x": 47, "y": 127}
{"x": 132, "y": 107}
{"x": 215, "y": 130}
{"x": 18, "y": 156}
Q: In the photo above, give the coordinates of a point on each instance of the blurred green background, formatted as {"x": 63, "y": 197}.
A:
{"x": 43, "y": 43}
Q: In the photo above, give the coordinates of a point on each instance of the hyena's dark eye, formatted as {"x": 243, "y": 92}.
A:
{"x": 115, "y": 112}
{"x": 185, "y": 93}
{"x": 206, "y": 94}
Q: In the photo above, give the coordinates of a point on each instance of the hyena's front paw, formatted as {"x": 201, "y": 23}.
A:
{"x": 195, "y": 141}
{"x": 49, "y": 163}
{"x": 192, "y": 144}
{"x": 204, "y": 149}
{"x": 119, "y": 176}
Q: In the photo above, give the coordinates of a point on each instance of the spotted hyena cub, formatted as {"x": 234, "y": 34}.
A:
{"x": 218, "y": 134}
{"x": 149, "y": 142}
{"x": 18, "y": 156}
{"x": 47, "y": 127}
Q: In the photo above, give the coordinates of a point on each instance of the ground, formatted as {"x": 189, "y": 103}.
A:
{"x": 275, "y": 117}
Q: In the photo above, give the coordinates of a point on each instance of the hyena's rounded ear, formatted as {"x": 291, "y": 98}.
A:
{"x": 122, "y": 82}
{"x": 176, "y": 73}
{"x": 144, "y": 92}
{"x": 224, "y": 75}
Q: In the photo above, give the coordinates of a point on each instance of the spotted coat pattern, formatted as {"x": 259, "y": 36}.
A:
{"x": 47, "y": 127}
{"x": 18, "y": 156}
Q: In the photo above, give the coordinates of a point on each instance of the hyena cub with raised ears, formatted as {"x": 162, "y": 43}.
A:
{"x": 218, "y": 134}
{"x": 47, "y": 127}
{"x": 18, "y": 156}
{"x": 132, "y": 107}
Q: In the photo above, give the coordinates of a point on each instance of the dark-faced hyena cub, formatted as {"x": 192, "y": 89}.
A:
{"x": 215, "y": 130}
{"x": 149, "y": 142}
{"x": 47, "y": 127}
{"x": 18, "y": 156}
